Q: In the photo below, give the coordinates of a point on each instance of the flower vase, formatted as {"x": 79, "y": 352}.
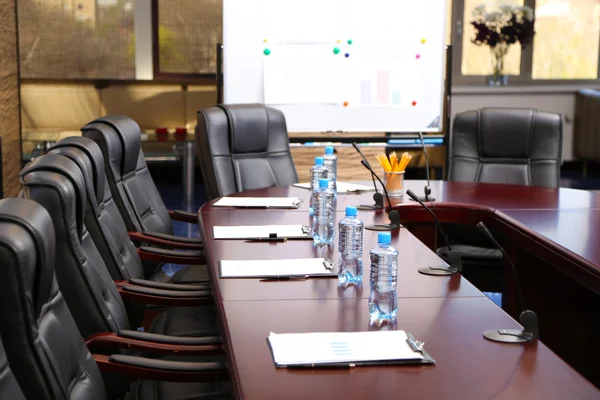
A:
{"x": 498, "y": 77}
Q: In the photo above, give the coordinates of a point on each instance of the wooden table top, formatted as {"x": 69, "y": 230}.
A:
{"x": 448, "y": 313}
{"x": 467, "y": 365}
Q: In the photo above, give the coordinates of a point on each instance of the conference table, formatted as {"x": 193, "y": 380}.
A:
{"x": 550, "y": 234}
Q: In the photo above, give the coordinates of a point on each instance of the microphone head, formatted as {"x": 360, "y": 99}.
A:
{"x": 411, "y": 194}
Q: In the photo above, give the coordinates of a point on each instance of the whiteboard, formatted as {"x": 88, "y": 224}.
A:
{"x": 338, "y": 65}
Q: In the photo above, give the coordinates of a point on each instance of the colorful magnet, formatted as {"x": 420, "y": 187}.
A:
{"x": 339, "y": 41}
{"x": 267, "y": 52}
{"x": 418, "y": 56}
{"x": 264, "y": 40}
{"x": 347, "y": 55}
{"x": 423, "y": 40}
{"x": 336, "y": 50}
{"x": 349, "y": 41}
{"x": 414, "y": 103}
{"x": 345, "y": 104}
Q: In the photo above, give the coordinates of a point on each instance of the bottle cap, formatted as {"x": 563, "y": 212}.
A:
{"x": 318, "y": 160}
{"x": 384, "y": 238}
{"x": 329, "y": 150}
{"x": 323, "y": 183}
{"x": 351, "y": 211}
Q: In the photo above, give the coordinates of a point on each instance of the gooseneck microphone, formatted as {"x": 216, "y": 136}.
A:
{"x": 454, "y": 257}
{"x": 393, "y": 215}
{"x": 427, "y": 188}
{"x": 528, "y": 318}
{"x": 377, "y": 197}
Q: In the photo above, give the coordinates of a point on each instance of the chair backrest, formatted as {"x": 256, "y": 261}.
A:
{"x": 57, "y": 183}
{"x": 129, "y": 180}
{"x": 102, "y": 218}
{"x": 506, "y": 145}
{"x": 243, "y": 147}
{"x": 43, "y": 346}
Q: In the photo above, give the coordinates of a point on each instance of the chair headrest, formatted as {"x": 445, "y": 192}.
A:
{"x": 87, "y": 155}
{"x": 130, "y": 138}
{"x": 248, "y": 127}
{"x": 506, "y": 132}
{"x": 27, "y": 247}
{"x": 64, "y": 175}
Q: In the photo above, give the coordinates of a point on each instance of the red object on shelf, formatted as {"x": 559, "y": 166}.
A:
{"x": 180, "y": 134}
{"x": 162, "y": 134}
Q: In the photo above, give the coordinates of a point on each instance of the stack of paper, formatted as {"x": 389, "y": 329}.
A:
{"x": 344, "y": 348}
{"x": 342, "y": 187}
{"x": 259, "y": 202}
{"x": 261, "y": 232}
{"x": 275, "y": 268}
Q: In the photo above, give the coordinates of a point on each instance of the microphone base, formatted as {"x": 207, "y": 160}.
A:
{"x": 369, "y": 207}
{"x": 438, "y": 271}
{"x": 530, "y": 331}
{"x": 425, "y": 200}
{"x": 508, "y": 335}
{"x": 382, "y": 227}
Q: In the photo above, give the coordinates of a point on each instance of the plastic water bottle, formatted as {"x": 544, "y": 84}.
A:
{"x": 330, "y": 162}
{"x": 350, "y": 247}
{"x": 317, "y": 172}
{"x": 383, "y": 302}
{"x": 323, "y": 214}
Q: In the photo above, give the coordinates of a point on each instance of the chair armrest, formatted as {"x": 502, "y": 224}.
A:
{"x": 171, "y": 256}
{"x": 163, "y": 240}
{"x": 161, "y": 370}
{"x": 173, "y": 238}
{"x": 155, "y": 343}
{"x": 168, "y": 286}
{"x": 208, "y": 339}
{"x": 184, "y": 216}
{"x": 170, "y": 298}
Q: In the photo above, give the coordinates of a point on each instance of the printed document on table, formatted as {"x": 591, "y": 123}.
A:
{"x": 274, "y": 268}
{"x": 259, "y": 202}
{"x": 342, "y": 187}
{"x": 340, "y": 347}
{"x": 259, "y": 231}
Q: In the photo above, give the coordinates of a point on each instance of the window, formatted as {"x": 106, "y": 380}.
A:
{"x": 188, "y": 33}
{"x": 76, "y": 39}
{"x": 565, "y": 46}
{"x": 567, "y": 39}
{"x": 476, "y": 60}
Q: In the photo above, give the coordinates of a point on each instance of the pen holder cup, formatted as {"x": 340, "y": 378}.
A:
{"x": 394, "y": 183}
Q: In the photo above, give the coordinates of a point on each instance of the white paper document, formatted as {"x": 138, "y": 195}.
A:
{"x": 260, "y": 231}
{"x": 259, "y": 202}
{"x": 342, "y": 187}
{"x": 275, "y": 268}
{"x": 341, "y": 347}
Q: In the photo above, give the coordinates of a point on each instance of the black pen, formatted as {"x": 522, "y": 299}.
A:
{"x": 284, "y": 278}
{"x": 331, "y": 365}
{"x": 267, "y": 240}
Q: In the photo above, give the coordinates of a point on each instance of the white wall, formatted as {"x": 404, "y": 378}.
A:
{"x": 558, "y": 99}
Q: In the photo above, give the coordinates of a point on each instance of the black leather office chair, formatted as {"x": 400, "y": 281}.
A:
{"x": 58, "y": 184}
{"x": 105, "y": 222}
{"x": 506, "y": 146}
{"x": 137, "y": 197}
{"x": 43, "y": 345}
{"x": 9, "y": 388}
{"x": 243, "y": 147}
